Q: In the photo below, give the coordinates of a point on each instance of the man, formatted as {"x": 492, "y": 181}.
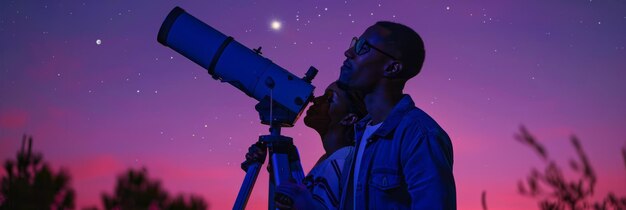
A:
{"x": 403, "y": 158}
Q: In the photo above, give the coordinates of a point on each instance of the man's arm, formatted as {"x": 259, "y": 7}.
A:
{"x": 427, "y": 165}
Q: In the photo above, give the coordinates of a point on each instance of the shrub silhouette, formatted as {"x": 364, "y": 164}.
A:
{"x": 31, "y": 184}
{"x": 554, "y": 191}
{"x": 134, "y": 190}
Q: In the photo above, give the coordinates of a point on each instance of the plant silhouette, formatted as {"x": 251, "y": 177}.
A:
{"x": 31, "y": 184}
{"x": 134, "y": 190}
{"x": 554, "y": 191}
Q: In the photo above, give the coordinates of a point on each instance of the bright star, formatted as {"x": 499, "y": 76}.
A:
{"x": 276, "y": 25}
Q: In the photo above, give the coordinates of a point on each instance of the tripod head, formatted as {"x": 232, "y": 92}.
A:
{"x": 275, "y": 114}
{"x": 284, "y": 163}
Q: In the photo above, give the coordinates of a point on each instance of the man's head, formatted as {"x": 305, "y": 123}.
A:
{"x": 385, "y": 51}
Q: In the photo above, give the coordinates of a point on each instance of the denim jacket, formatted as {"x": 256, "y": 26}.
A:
{"x": 407, "y": 164}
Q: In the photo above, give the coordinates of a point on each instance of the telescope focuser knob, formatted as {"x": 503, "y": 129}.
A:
{"x": 258, "y": 50}
{"x": 310, "y": 74}
{"x": 269, "y": 82}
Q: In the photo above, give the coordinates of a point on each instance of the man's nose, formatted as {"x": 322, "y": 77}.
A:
{"x": 349, "y": 53}
{"x": 317, "y": 99}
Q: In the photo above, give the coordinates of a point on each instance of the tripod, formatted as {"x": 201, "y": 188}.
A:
{"x": 284, "y": 163}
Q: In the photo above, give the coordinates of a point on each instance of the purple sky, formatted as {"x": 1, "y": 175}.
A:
{"x": 557, "y": 67}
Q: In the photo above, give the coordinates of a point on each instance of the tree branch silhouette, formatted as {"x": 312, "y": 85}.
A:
{"x": 31, "y": 184}
{"x": 134, "y": 190}
{"x": 554, "y": 191}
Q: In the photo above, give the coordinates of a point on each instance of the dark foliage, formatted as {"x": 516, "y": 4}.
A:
{"x": 31, "y": 184}
{"x": 554, "y": 191}
{"x": 134, "y": 190}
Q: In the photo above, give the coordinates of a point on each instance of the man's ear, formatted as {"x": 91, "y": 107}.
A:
{"x": 349, "y": 119}
{"x": 393, "y": 69}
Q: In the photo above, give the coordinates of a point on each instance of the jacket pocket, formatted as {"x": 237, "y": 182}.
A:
{"x": 386, "y": 179}
{"x": 387, "y": 190}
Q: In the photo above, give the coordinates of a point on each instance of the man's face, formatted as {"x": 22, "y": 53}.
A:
{"x": 364, "y": 72}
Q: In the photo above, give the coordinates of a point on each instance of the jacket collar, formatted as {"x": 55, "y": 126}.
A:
{"x": 390, "y": 123}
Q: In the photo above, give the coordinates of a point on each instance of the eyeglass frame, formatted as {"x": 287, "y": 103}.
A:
{"x": 355, "y": 41}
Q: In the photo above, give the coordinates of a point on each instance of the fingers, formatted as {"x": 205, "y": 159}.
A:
{"x": 255, "y": 153}
{"x": 282, "y": 206}
{"x": 251, "y": 157}
{"x": 256, "y": 149}
{"x": 292, "y": 180}
{"x": 292, "y": 196}
{"x": 283, "y": 201}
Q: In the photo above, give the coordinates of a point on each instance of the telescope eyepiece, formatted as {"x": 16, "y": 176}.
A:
{"x": 310, "y": 74}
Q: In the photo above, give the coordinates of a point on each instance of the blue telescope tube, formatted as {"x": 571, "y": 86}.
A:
{"x": 229, "y": 61}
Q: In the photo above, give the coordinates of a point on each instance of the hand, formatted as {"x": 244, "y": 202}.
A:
{"x": 256, "y": 153}
{"x": 290, "y": 195}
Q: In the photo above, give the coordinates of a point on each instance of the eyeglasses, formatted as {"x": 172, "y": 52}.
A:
{"x": 361, "y": 46}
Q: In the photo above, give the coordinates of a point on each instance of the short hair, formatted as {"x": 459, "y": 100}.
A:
{"x": 409, "y": 44}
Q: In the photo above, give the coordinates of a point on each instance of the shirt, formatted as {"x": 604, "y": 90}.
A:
{"x": 323, "y": 179}
{"x": 406, "y": 164}
{"x": 368, "y": 132}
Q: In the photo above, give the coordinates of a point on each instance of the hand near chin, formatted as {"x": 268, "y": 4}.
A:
{"x": 290, "y": 195}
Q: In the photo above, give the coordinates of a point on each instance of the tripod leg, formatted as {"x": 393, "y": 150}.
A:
{"x": 247, "y": 185}
{"x": 280, "y": 168}
{"x": 280, "y": 173}
{"x": 296, "y": 167}
{"x": 271, "y": 189}
{"x": 252, "y": 172}
{"x": 285, "y": 166}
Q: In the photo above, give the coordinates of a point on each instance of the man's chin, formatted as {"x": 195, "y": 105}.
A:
{"x": 308, "y": 122}
{"x": 342, "y": 79}
{"x": 315, "y": 123}
{"x": 343, "y": 85}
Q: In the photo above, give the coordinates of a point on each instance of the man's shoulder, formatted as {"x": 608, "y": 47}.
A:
{"x": 342, "y": 154}
{"x": 418, "y": 127}
{"x": 418, "y": 120}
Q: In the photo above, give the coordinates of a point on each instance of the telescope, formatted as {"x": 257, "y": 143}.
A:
{"x": 282, "y": 96}
{"x": 229, "y": 61}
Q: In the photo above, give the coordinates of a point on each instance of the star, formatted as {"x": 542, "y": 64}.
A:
{"x": 276, "y": 25}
